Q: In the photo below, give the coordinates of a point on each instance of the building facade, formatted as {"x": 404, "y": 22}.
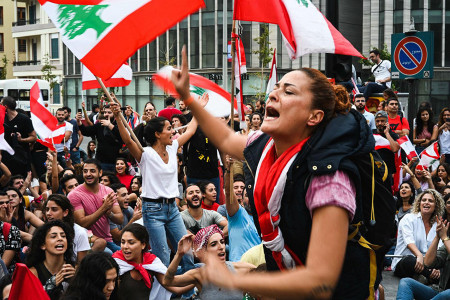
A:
{"x": 36, "y": 43}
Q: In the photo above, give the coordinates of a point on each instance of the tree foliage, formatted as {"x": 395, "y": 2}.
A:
{"x": 264, "y": 53}
{"x": 384, "y": 55}
{"x": 4, "y": 70}
{"x": 47, "y": 72}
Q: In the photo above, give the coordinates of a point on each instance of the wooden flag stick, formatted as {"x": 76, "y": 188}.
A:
{"x": 233, "y": 64}
{"x": 111, "y": 99}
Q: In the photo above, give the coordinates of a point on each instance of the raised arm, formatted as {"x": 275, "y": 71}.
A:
{"x": 124, "y": 134}
{"x": 190, "y": 130}
{"x": 220, "y": 134}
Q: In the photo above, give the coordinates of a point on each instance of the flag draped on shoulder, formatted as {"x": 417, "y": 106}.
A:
{"x": 239, "y": 69}
{"x": 122, "y": 77}
{"x": 45, "y": 124}
{"x": 304, "y": 28}
{"x": 103, "y": 34}
{"x": 429, "y": 158}
{"x": 407, "y": 146}
{"x": 273, "y": 75}
{"x": 219, "y": 99}
{"x": 3, "y": 143}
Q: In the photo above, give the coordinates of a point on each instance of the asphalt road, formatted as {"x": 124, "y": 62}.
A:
{"x": 390, "y": 284}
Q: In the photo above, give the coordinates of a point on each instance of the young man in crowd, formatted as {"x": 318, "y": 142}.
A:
{"x": 360, "y": 104}
{"x": 383, "y": 129}
{"x": 195, "y": 217}
{"x": 76, "y": 138}
{"x": 129, "y": 215}
{"x": 68, "y": 183}
{"x": 398, "y": 124}
{"x": 170, "y": 109}
{"x": 65, "y": 143}
{"x": 10, "y": 242}
{"x": 96, "y": 204}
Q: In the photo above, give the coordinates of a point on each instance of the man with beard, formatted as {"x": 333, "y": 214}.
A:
{"x": 360, "y": 104}
{"x": 383, "y": 130}
{"x": 67, "y": 140}
{"x": 108, "y": 138}
{"x": 195, "y": 217}
{"x": 241, "y": 227}
{"x": 95, "y": 204}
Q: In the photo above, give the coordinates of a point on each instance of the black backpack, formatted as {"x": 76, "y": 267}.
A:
{"x": 377, "y": 229}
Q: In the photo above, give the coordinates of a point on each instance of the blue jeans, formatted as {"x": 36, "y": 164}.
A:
{"x": 215, "y": 181}
{"x": 75, "y": 157}
{"x": 111, "y": 246}
{"x": 410, "y": 289}
{"x": 164, "y": 221}
{"x": 372, "y": 87}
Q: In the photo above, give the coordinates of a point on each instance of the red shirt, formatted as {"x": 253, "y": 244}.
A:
{"x": 126, "y": 180}
{"x": 396, "y": 124}
{"x": 214, "y": 206}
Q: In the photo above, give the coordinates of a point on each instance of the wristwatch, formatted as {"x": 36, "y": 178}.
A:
{"x": 446, "y": 239}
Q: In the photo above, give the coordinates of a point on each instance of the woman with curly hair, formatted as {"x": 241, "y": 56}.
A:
{"x": 416, "y": 231}
{"x": 95, "y": 279}
{"x": 51, "y": 257}
{"x": 426, "y": 131}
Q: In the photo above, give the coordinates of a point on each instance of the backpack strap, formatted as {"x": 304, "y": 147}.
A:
{"x": 6, "y": 229}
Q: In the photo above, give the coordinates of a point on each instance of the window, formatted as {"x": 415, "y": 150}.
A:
{"x": 2, "y": 46}
{"x": 1, "y": 15}
{"x": 208, "y": 40}
{"x": 435, "y": 4}
{"x": 195, "y": 41}
{"x": 21, "y": 19}
{"x": 54, "y": 43}
{"x": 143, "y": 59}
{"x": 22, "y": 45}
{"x": 417, "y": 4}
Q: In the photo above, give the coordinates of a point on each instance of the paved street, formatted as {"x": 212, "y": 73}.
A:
{"x": 390, "y": 283}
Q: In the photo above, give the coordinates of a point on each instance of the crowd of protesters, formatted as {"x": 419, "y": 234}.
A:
{"x": 116, "y": 220}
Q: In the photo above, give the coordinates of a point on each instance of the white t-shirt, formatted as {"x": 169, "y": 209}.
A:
{"x": 382, "y": 71}
{"x": 60, "y": 147}
{"x": 81, "y": 240}
{"x": 370, "y": 119}
{"x": 158, "y": 178}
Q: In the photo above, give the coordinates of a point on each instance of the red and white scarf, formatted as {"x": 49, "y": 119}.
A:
{"x": 149, "y": 263}
{"x": 270, "y": 181}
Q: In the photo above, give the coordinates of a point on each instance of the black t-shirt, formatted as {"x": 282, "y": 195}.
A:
{"x": 201, "y": 157}
{"x": 22, "y": 124}
{"x": 387, "y": 155}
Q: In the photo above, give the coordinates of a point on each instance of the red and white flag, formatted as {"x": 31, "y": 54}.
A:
{"x": 398, "y": 178}
{"x": 273, "y": 75}
{"x": 3, "y": 143}
{"x": 240, "y": 68}
{"x": 429, "y": 158}
{"x": 304, "y": 28}
{"x": 219, "y": 99}
{"x": 45, "y": 124}
{"x": 103, "y": 34}
{"x": 407, "y": 146}
{"x": 25, "y": 285}
{"x": 122, "y": 77}
{"x": 381, "y": 142}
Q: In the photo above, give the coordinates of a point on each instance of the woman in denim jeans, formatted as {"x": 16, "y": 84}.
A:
{"x": 158, "y": 163}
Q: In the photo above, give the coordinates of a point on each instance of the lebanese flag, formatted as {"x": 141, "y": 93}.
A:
{"x": 103, "y": 34}
{"x": 429, "y": 158}
{"x": 122, "y": 77}
{"x": 304, "y": 28}
{"x": 44, "y": 123}
{"x": 25, "y": 285}
{"x": 398, "y": 178}
{"x": 3, "y": 143}
{"x": 219, "y": 99}
{"x": 381, "y": 142}
{"x": 407, "y": 146}
{"x": 273, "y": 75}
{"x": 239, "y": 69}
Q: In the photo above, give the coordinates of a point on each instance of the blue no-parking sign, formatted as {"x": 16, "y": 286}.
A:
{"x": 412, "y": 55}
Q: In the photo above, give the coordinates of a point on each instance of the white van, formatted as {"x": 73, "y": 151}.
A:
{"x": 19, "y": 89}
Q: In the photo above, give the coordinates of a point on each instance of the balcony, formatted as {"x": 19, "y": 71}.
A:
{"x": 32, "y": 27}
{"x": 26, "y": 22}
{"x": 27, "y": 63}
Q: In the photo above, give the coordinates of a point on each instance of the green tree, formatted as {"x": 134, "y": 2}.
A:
{"x": 76, "y": 19}
{"x": 264, "y": 53}
{"x": 47, "y": 73}
{"x": 384, "y": 55}
{"x": 4, "y": 70}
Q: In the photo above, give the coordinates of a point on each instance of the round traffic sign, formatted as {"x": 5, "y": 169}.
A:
{"x": 410, "y": 55}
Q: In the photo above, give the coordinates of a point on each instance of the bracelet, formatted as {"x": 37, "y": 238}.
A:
{"x": 446, "y": 239}
{"x": 188, "y": 101}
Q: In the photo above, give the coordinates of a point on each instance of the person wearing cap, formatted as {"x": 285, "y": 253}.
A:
{"x": 383, "y": 130}
{"x": 208, "y": 241}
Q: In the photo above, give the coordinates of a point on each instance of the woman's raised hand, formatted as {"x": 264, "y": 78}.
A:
{"x": 204, "y": 99}
{"x": 185, "y": 244}
{"x": 115, "y": 108}
{"x": 180, "y": 78}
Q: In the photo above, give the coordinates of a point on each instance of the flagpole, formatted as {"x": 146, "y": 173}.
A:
{"x": 111, "y": 99}
{"x": 233, "y": 66}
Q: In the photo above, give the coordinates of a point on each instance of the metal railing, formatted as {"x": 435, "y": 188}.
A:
{"x": 26, "y": 22}
{"x": 27, "y": 63}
